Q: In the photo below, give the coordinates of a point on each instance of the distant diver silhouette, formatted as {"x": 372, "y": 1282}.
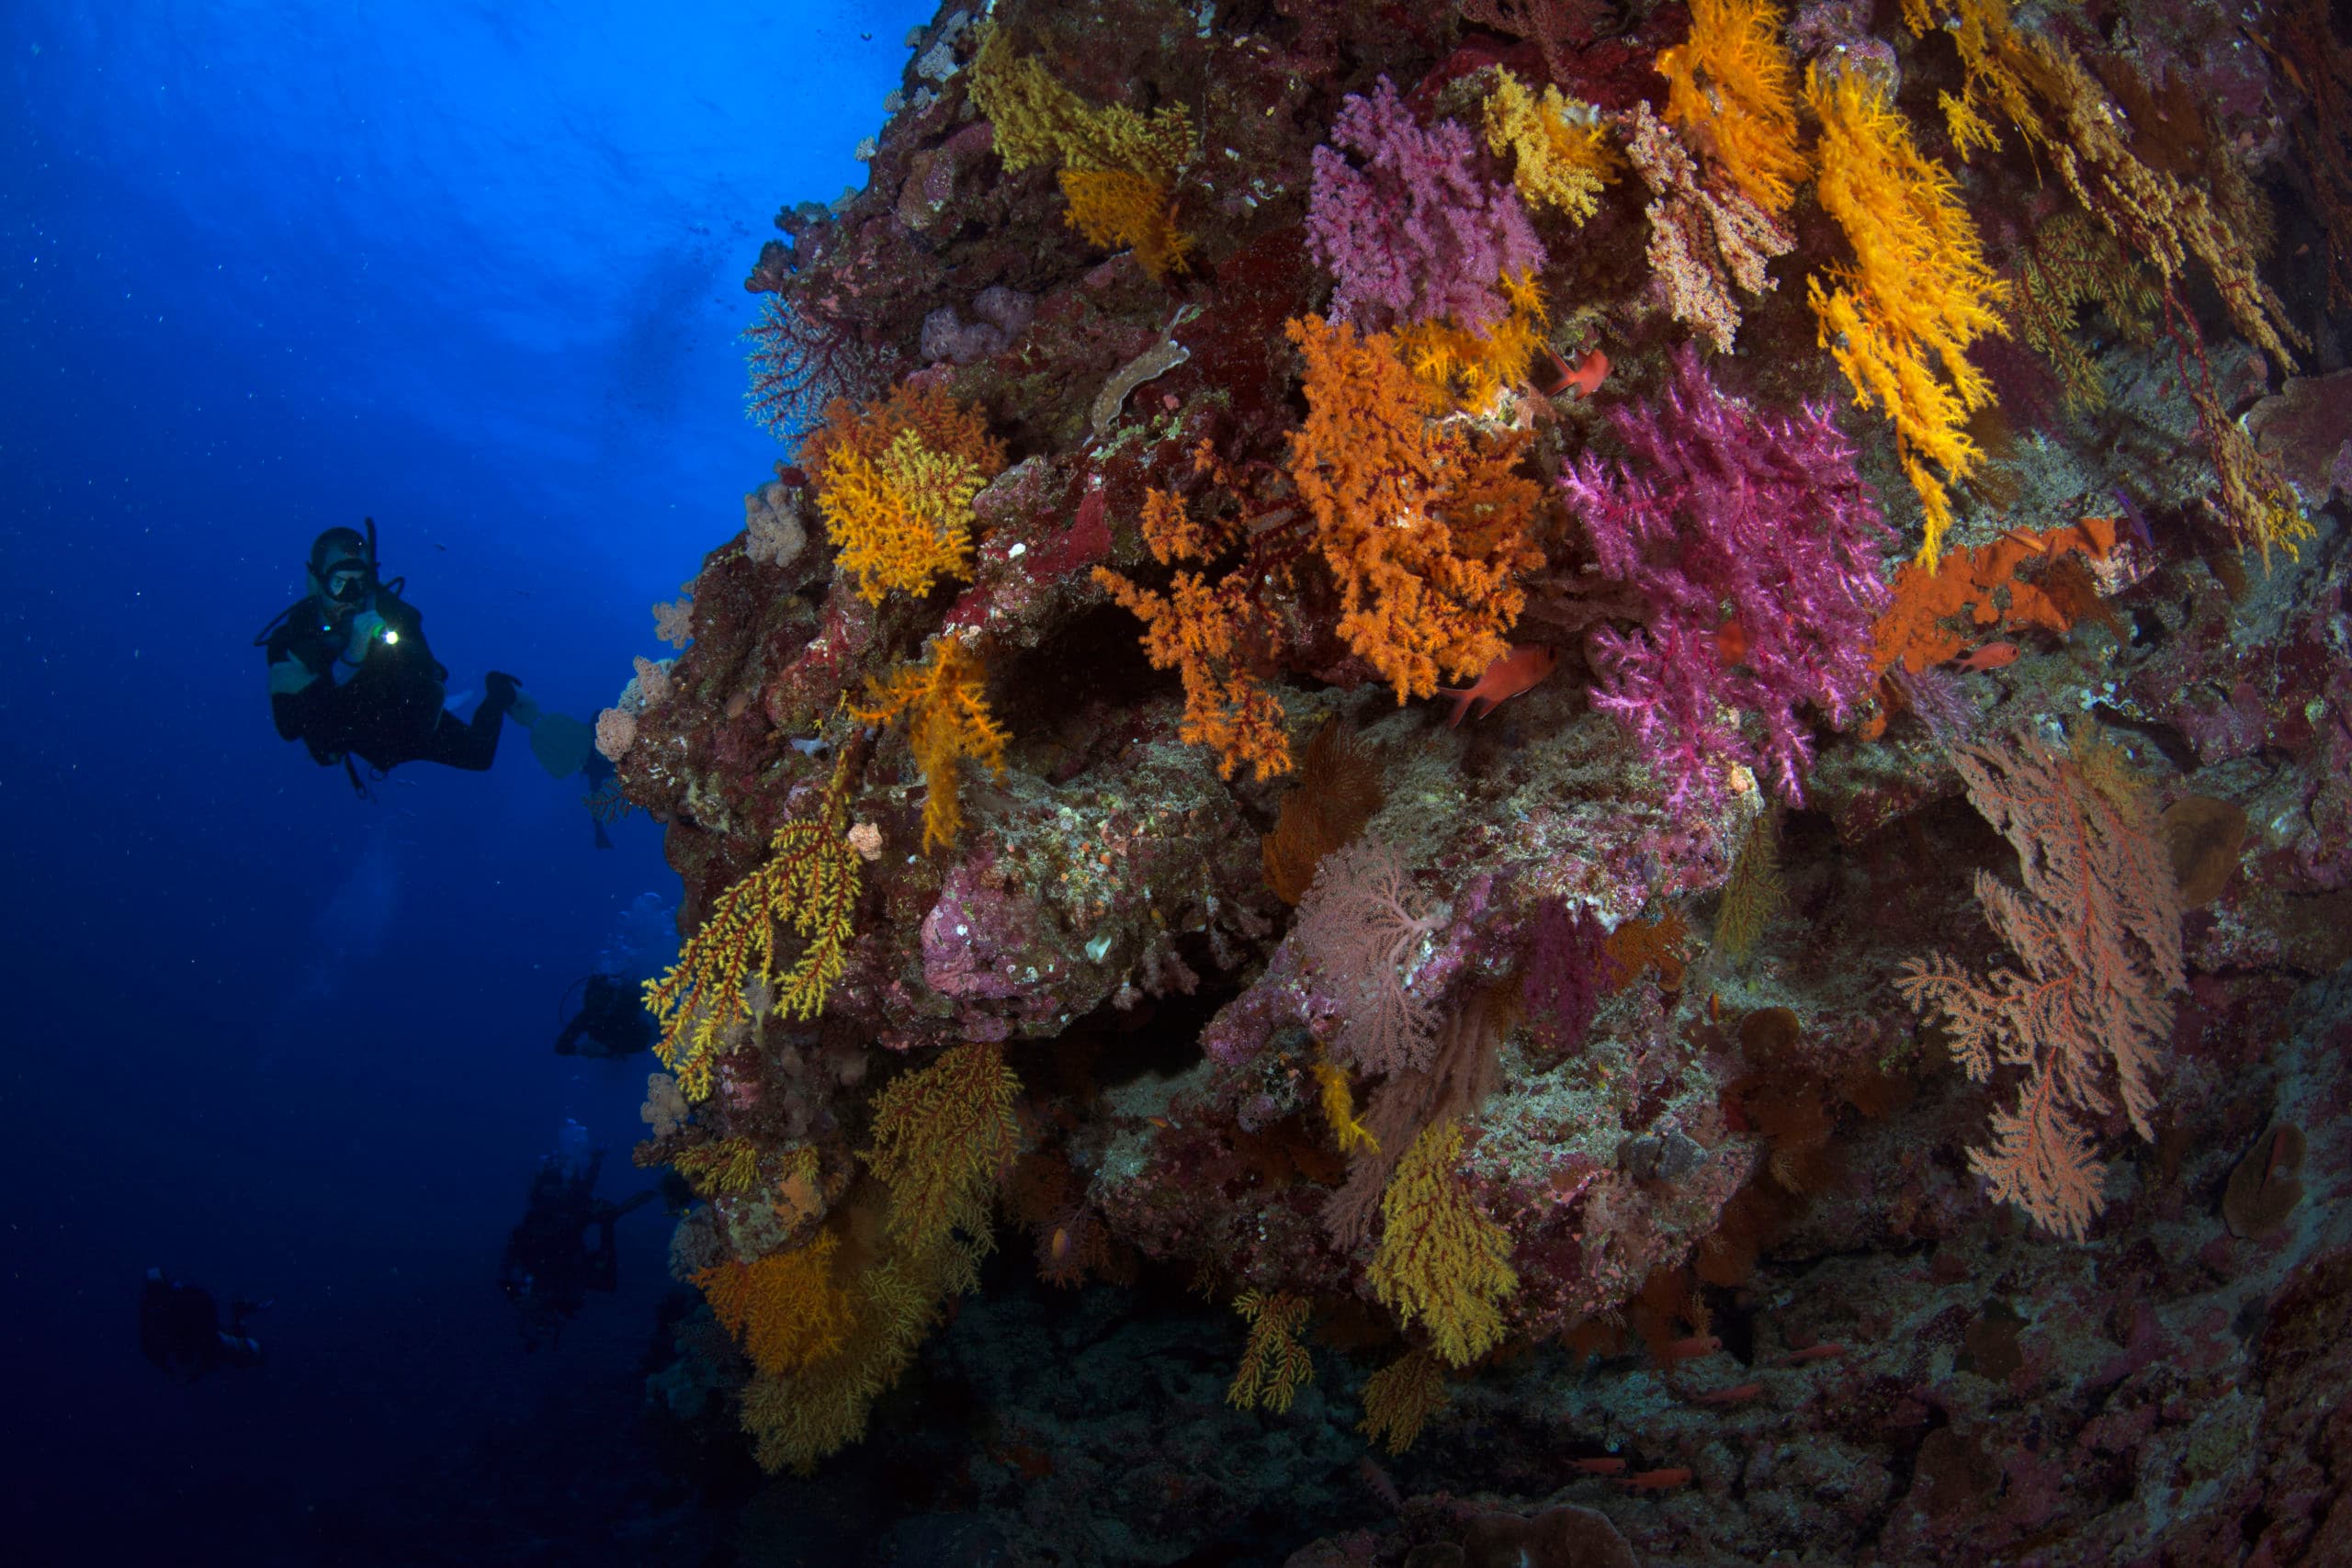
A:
{"x": 612, "y": 1021}
{"x": 548, "y": 1268}
{"x": 179, "y": 1328}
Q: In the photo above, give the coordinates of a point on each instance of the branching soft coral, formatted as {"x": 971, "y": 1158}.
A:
{"x": 1899, "y": 317}
{"x": 785, "y": 1309}
{"x": 1996, "y": 68}
{"x": 895, "y": 483}
{"x": 1217, "y": 636}
{"x": 1274, "y": 1366}
{"x": 1423, "y": 523}
{"x": 2096, "y": 927}
{"x": 1559, "y": 147}
{"x": 1442, "y": 1262}
{"x": 947, "y": 719}
{"x": 1399, "y": 1399}
{"x": 1118, "y": 167}
{"x": 1705, "y": 240}
{"x": 1467, "y": 367}
{"x": 1756, "y": 546}
{"x": 1358, "y": 926}
{"x": 2073, "y": 262}
{"x": 902, "y": 523}
{"x": 1419, "y": 231}
{"x": 1731, "y": 85}
{"x": 811, "y": 882}
{"x": 944, "y": 1136}
{"x": 944, "y": 1139}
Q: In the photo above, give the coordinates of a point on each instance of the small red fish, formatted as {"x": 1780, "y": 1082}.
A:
{"x": 1992, "y": 655}
{"x": 1823, "y": 1352}
{"x": 1731, "y": 642}
{"x": 1554, "y": 375}
{"x": 1502, "y": 680}
{"x": 1599, "y": 1466}
{"x": 1738, "y": 1393}
{"x": 1688, "y": 1350}
{"x": 1588, "y": 374}
{"x": 1656, "y": 1480}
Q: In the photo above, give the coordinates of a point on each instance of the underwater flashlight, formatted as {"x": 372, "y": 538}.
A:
{"x": 390, "y": 636}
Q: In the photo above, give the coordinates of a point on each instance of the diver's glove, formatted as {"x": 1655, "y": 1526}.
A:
{"x": 367, "y": 629}
{"x": 289, "y": 676}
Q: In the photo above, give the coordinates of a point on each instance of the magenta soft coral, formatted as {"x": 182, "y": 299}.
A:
{"x": 1419, "y": 232}
{"x": 1755, "y": 547}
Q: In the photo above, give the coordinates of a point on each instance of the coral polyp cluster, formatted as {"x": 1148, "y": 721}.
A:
{"x": 1663, "y": 712}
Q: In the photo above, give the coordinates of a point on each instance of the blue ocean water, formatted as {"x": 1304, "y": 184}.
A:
{"x": 474, "y": 270}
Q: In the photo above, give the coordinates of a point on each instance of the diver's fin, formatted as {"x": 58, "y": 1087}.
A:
{"x": 561, "y": 743}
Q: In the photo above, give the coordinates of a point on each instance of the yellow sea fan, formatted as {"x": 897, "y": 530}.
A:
{"x": 785, "y": 1309}
{"x": 1442, "y": 1261}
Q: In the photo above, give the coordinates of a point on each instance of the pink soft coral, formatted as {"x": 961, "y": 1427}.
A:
{"x": 1755, "y": 547}
{"x": 1419, "y": 232}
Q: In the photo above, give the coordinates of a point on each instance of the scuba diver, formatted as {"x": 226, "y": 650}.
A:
{"x": 612, "y": 1021}
{"x": 350, "y": 673}
{"x": 549, "y": 1269}
{"x": 179, "y": 1328}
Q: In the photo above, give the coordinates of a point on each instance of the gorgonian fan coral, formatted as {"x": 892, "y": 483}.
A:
{"x": 1756, "y": 547}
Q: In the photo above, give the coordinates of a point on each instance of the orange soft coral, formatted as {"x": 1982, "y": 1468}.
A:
{"x": 1980, "y": 590}
{"x": 1731, "y": 89}
{"x": 1214, "y": 636}
{"x": 947, "y": 720}
{"x": 1423, "y": 523}
{"x": 937, "y": 420}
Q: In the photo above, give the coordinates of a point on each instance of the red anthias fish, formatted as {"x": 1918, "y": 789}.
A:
{"x": 1992, "y": 655}
{"x": 1502, "y": 680}
{"x": 1552, "y": 375}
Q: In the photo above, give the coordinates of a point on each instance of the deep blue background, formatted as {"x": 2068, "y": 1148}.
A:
{"x": 475, "y": 270}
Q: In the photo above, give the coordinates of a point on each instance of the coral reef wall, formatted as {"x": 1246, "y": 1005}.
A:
{"x": 1629, "y": 727}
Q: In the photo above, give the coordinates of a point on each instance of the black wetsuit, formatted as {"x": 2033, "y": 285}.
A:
{"x": 179, "y": 1329}
{"x": 612, "y": 1021}
{"x": 389, "y": 711}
